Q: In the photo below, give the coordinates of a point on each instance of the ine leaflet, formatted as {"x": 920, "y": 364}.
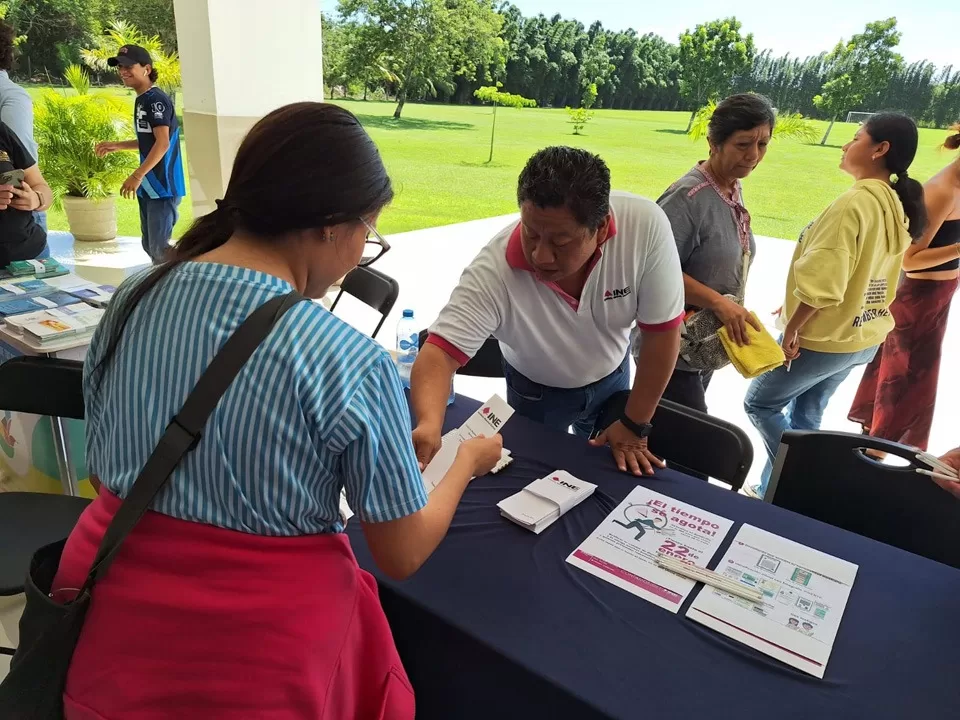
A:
{"x": 623, "y": 550}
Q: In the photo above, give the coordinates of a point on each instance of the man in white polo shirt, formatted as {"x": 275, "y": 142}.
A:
{"x": 560, "y": 291}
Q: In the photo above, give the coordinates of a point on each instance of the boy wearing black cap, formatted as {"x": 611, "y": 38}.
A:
{"x": 158, "y": 182}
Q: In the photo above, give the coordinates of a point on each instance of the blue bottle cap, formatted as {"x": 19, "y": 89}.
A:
{"x": 408, "y": 313}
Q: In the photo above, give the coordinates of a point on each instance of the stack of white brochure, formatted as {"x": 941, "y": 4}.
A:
{"x": 543, "y": 501}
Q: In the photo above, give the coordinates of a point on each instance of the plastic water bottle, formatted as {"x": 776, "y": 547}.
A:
{"x": 453, "y": 393}
{"x": 408, "y": 344}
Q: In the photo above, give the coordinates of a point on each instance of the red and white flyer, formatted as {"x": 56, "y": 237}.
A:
{"x": 624, "y": 549}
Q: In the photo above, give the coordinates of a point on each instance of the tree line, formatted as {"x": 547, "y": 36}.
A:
{"x": 53, "y": 33}
{"x": 445, "y": 50}
{"x": 393, "y": 47}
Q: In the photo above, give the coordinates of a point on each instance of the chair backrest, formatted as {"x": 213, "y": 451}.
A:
{"x": 372, "y": 288}
{"x": 827, "y": 476}
{"x": 42, "y": 386}
{"x": 488, "y": 362}
{"x": 691, "y": 441}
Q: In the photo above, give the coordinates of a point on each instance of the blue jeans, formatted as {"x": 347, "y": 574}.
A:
{"x": 157, "y": 218}
{"x": 804, "y": 391}
{"x": 559, "y": 408}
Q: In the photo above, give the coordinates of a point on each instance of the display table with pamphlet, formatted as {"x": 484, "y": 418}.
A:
{"x": 51, "y": 313}
{"x": 498, "y": 624}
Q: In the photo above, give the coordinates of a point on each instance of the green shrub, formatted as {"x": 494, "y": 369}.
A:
{"x": 67, "y": 129}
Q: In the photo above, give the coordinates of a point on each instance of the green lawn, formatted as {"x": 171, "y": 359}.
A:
{"x": 436, "y": 155}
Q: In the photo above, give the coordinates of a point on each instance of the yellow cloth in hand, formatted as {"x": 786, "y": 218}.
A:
{"x": 762, "y": 355}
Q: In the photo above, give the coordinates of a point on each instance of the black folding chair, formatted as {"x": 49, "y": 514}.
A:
{"x": 828, "y": 477}
{"x": 28, "y": 521}
{"x": 372, "y": 288}
{"x": 488, "y": 362}
{"x": 691, "y": 441}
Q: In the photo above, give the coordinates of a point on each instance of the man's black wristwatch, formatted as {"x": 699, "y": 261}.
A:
{"x": 639, "y": 429}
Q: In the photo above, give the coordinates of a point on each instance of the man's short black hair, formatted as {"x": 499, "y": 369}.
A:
{"x": 564, "y": 176}
{"x": 7, "y": 37}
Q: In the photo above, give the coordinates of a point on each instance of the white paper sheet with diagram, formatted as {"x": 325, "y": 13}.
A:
{"x": 623, "y": 550}
{"x": 805, "y": 593}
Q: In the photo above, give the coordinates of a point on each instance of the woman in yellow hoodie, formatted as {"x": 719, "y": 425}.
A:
{"x": 842, "y": 282}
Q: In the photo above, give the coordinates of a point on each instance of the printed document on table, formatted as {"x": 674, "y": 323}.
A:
{"x": 623, "y": 550}
{"x": 804, "y": 595}
{"x": 486, "y": 421}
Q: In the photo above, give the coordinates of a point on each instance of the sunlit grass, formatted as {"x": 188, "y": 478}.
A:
{"x": 436, "y": 156}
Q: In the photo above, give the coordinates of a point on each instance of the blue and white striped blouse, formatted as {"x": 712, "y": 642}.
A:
{"x": 318, "y": 407}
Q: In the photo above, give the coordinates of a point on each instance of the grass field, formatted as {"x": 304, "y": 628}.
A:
{"x": 436, "y": 155}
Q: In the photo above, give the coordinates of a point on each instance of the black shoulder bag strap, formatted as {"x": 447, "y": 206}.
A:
{"x": 185, "y": 429}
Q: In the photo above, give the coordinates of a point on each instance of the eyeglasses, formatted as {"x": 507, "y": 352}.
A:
{"x": 375, "y": 247}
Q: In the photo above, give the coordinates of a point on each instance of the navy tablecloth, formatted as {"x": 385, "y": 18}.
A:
{"x": 497, "y": 625}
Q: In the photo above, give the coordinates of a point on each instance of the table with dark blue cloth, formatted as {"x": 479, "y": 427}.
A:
{"x": 497, "y": 625}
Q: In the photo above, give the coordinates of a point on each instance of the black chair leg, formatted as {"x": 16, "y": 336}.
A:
{"x": 7, "y": 651}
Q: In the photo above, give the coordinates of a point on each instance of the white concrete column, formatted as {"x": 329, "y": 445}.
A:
{"x": 240, "y": 60}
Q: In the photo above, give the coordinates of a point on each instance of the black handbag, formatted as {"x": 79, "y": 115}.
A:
{"x": 49, "y": 630}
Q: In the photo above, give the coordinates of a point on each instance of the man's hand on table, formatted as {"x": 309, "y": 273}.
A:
{"x": 629, "y": 451}
{"x": 426, "y": 443}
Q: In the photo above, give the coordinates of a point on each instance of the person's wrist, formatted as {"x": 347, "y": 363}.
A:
{"x": 429, "y": 425}
{"x": 469, "y": 462}
{"x": 718, "y": 303}
{"x": 640, "y": 429}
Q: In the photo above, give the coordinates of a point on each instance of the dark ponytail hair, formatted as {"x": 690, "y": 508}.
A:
{"x": 901, "y": 133}
{"x": 304, "y": 166}
{"x": 953, "y": 142}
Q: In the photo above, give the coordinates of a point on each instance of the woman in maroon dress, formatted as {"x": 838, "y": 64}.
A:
{"x": 898, "y": 393}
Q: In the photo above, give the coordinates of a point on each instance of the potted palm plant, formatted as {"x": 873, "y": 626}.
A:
{"x": 67, "y": 128}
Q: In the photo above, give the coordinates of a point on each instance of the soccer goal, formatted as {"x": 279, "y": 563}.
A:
{"x": 858, "y": 117}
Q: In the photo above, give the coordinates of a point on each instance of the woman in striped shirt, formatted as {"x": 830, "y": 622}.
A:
{"x": 237, "y": 595}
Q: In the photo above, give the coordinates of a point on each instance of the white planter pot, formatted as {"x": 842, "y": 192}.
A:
{"x": 91, "y": 220}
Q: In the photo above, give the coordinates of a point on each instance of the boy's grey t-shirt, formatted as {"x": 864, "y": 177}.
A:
{"x": 706, "y": 235}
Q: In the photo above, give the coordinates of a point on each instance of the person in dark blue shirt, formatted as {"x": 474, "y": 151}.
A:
{"x": 158, "y": 182}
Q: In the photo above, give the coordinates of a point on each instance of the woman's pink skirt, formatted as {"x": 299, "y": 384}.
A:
{"x": 193, "y": 621}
